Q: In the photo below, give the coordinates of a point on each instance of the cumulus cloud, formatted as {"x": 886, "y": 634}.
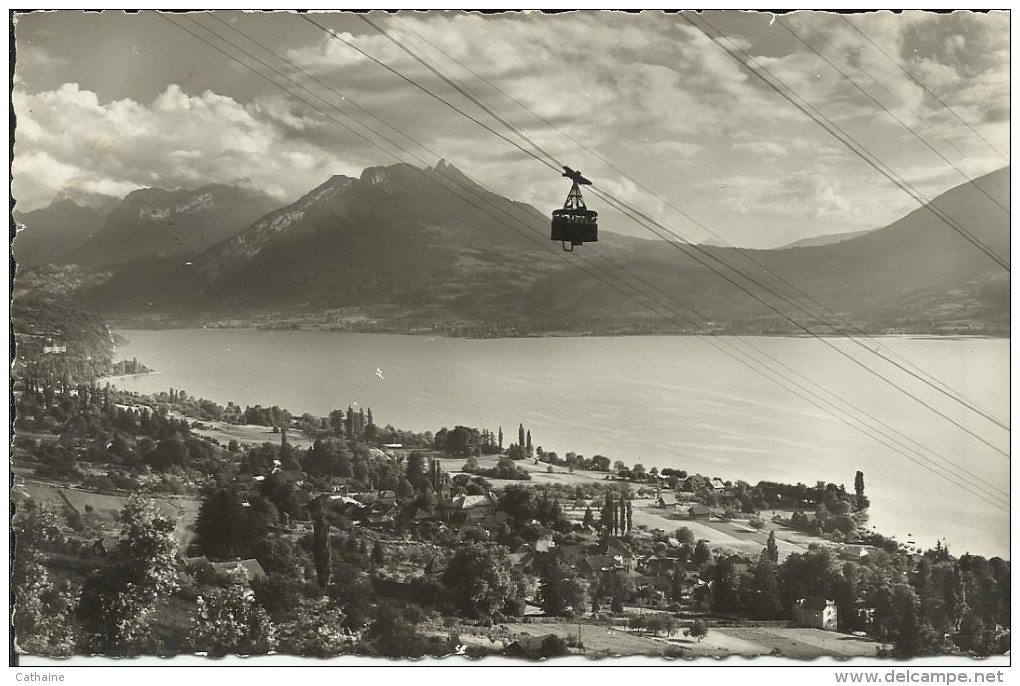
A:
{"x": 648, "y": 93}
{"x": 66, "y": 137}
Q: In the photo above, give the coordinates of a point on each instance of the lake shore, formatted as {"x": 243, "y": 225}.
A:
{"x": 663, "y": 401}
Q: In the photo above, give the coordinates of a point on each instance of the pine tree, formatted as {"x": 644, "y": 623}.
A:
{"x": 589, "y": 518}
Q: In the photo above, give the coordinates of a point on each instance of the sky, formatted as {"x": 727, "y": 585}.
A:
{"x": 644, "y": 104}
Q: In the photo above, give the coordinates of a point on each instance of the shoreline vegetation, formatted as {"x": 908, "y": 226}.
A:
{"x": 358, "y": 320}
{"x": 325, "y": 536}
{"x": 131, "y": 326}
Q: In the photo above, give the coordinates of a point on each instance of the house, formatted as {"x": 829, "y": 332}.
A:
{"x": 544, "y": 545}
{"x": 484, "y": 503}
{"x": 594, "y": 565}
{"x": 815, "y": 612}
{"x": 379, "y": 519}
{"x": 249, "y": 569}
{"x": 658, "y": 564}
{"x": 339, "y": 484}
{"x": 532, "y": 647}
{"x": 52, "y": 347}
{"x": 855, "y": 552}
{"x": 697, "y": 511}
{"x": 717, "y": 484}
{"x": 388, "y": 498}
{"x": 667, "y": 500}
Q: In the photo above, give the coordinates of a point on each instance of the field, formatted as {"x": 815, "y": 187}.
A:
{"x": 603, "y": 641}
{"x": 185, "y": 510}
{"x": 724, "y": 536}
{"x": 251, "y": 434}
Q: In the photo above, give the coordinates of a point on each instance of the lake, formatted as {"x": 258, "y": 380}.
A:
{"x": 662, "y": 401}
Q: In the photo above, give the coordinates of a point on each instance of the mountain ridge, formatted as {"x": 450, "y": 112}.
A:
{"x": 393, "y": 249}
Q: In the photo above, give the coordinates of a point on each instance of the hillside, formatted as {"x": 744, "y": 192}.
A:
{"x": 153, "y": 222}
{"x": 45, "y": 235}
{"x": 60, "y": 341}
{"x": 396, "y": 250}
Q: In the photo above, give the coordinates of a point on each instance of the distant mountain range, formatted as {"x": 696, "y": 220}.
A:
{"x": 151, "y": 222}
{"x": 408, "y": 249}
{"x": 827, "y": 239}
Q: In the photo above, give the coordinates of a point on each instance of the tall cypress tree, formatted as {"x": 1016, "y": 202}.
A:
{"x": 528, "y": 446}
{"x": 500, "y": 439}
{"x": 630, "y": 517}
{"x": 520, "y": 435}
{"x": 771, "y": 549}
{"x": 859, "y": 489}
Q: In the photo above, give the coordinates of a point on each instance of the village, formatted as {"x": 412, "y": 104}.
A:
{"x": 468, "y": 546}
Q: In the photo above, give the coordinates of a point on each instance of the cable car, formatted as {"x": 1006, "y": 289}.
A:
{"x": 575, "y": 224}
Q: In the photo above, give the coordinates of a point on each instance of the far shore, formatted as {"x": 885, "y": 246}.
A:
{"x": 446, "y": 335}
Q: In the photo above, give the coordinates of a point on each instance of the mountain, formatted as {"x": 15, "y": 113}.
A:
{"x": 407, "y": 249}
{"x": 100, "y": 202}
{"x": 46, "y": 234}
{"x": 827, "y": 239}
{"x": 155, "y": 222}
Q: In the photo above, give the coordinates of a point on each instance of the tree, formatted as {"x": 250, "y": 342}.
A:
{"x": 520, "y": 436}
{"x": 560, "y": 593}
{"x": 528, "y": 447}
{"x": 859, "y": 490}
{"x": 702, "y": 553}
{"x": 322, "y": 553}
{"x": 479, "y": 577}
{"x": 908, "y": 641}
{"x": 771, "y": 548}
{"x": 684, "y": 535}
{"x": 222, "y": 527}
{"x": 589, "y": 518}
{"x": 315, "y": 630}
{"x": 698, "y": 630}
{"x": 228, "y": 622}
{"x": 501, "y": 439}
{"x": 768, "y": 604}
{"x": 42, "y": 624}
{"x": 630, "y": 517}
{"x": 117, "y": 600}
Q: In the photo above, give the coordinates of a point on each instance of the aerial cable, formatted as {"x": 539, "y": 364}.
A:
{"x": 542, "y": 245}
{"x": 425, "y": 90}
{"x": 776, "y": 361}
{"x": 463, "y": 91}
{"x": 920, "y": 83}
{"x": 839, "y": 134}
{"x": 902, "y": 123}
{"x": 701, "y": 250}
{"x": 649, "y": 223}
{"x": 916, "y": 372}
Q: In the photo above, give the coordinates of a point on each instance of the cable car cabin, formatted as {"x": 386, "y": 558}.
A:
{"x": 575, "y": 224}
